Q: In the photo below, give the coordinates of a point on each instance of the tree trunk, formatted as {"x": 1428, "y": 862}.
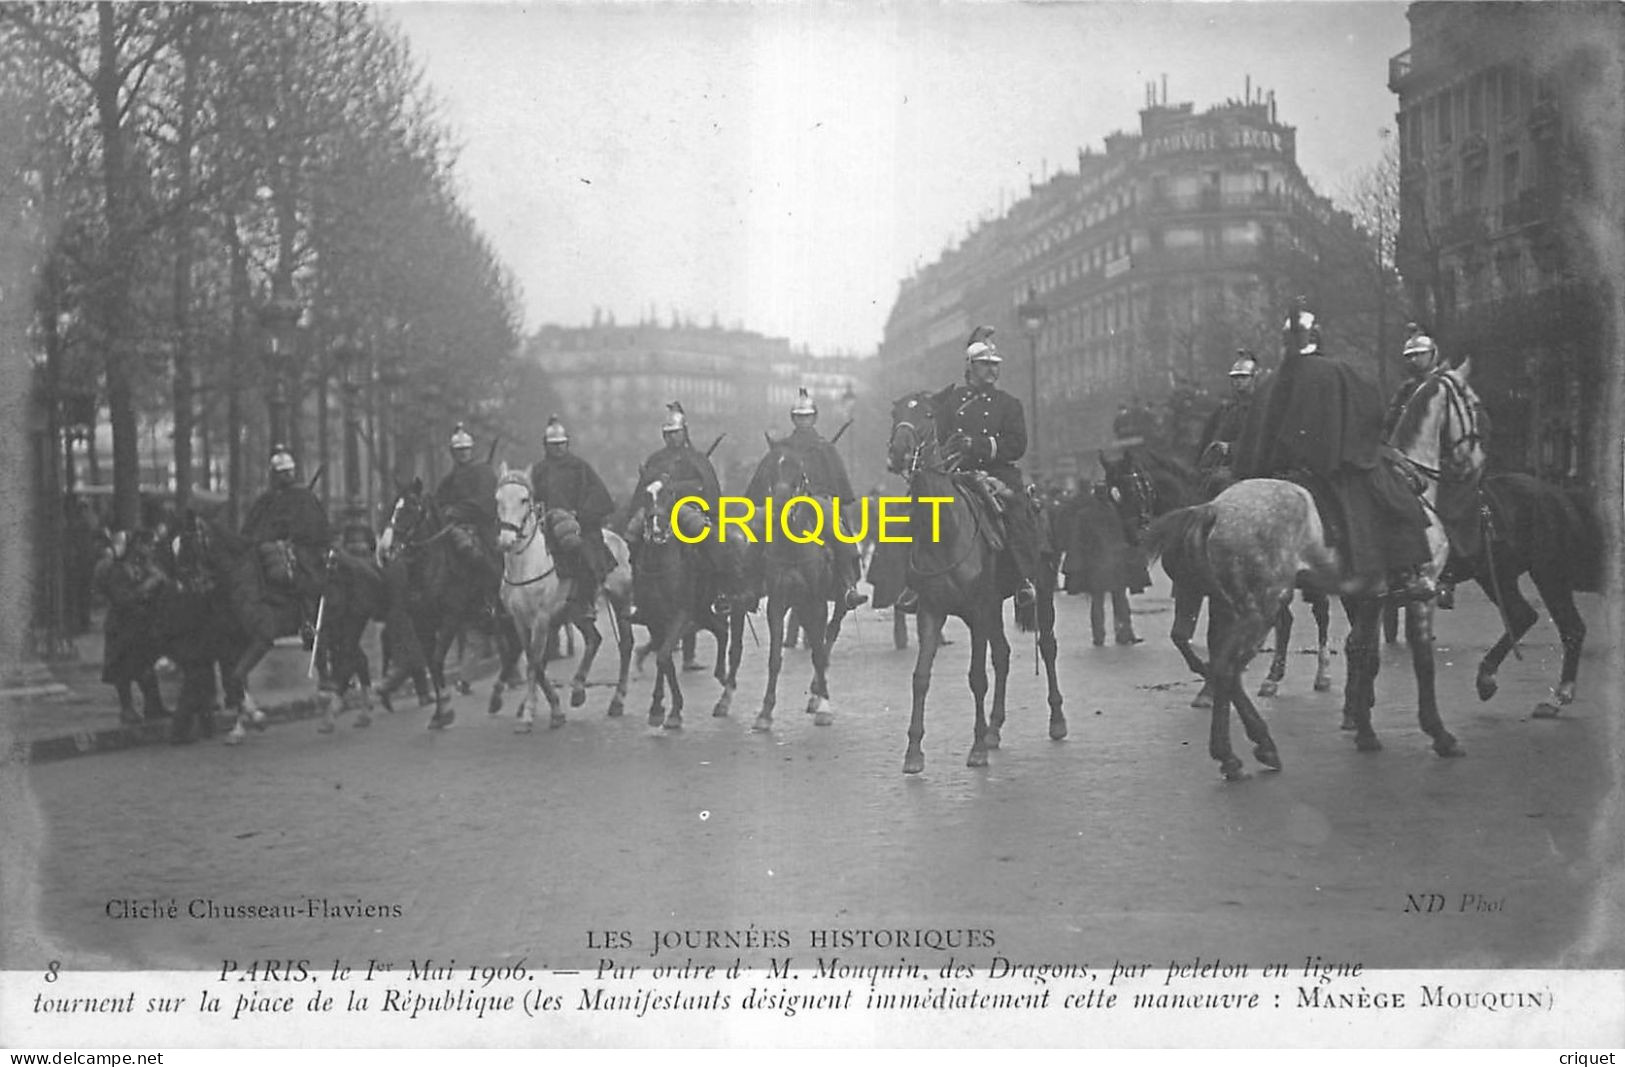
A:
{"x": 182, "y": 308}
{"x": 115, "y": 293}
{"x": 234, "y": 363}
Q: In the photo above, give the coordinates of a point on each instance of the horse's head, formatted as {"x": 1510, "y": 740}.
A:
{"x": 1443, "y": 427}
{"x": 1129, "y": 489}
{"x": 516, "y": 511}
{"x": 913, "y": 434}
{"x": 412, "y": 518}
{"x": 782, "y": 471}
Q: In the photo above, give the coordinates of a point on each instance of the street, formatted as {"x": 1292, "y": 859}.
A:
{"x": 1120, "y": 841}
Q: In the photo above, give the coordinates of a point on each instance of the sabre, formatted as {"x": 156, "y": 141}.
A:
{"x": 314, "y": 478}
{"x": 316, "y": 645}
{"x": 715, "y": 443}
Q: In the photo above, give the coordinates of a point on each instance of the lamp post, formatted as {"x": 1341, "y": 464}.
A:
{"x": 1032, "y": 315}
{"x": 278, "y": 319}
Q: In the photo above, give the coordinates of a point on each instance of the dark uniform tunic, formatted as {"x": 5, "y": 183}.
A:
{"x": 467, "y": 496}
{"x": 826, "y": 477}
{"x": 1222, "y": 429}
{"x": 569, "y": 482}
{"x": 994, "y": 430}
{"x": 293, "y": 513}
{"x": 685, "y": 471}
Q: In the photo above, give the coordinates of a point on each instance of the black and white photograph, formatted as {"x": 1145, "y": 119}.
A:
{"x": 1076, "y": 524}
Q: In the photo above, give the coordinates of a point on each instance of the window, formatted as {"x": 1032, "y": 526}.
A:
{"x": 1472, "y": 188}
{"x": 1441, "y": 121}
{"x": 1475, "y": 104}
{"x": 1509, "y": 177}
{"x": 1509, "y": 93}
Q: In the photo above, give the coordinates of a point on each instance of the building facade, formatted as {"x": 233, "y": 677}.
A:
{"x": 1498, "y": 118}
{"x": 1135, "y": 276}
{"x": 614, "y": 383}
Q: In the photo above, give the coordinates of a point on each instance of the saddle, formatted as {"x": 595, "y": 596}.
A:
{"x": 278, "y": 564}
{"x": 988, "y": 497}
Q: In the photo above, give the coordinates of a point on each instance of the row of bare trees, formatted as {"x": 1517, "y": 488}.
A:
{"x": 224, "y": 203}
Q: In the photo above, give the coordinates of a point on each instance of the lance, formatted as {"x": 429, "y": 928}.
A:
{"x": 314, "y": 478}
{"x": 491, "y": 453}
{"x": 321, "y": 615}
{"x": 844, "y": 427}
{"x": 715, "y": 443}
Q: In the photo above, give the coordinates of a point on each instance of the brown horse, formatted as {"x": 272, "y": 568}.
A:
{"x": 797, "y": 575}
{"x": 1261, "y": 538}
{"x": 955, "y": 569}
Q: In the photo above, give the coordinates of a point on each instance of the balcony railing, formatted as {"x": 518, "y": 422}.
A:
{"x": 1474, "y": 148}
{"x": 1399, "y": 68}
{"x": 1532, "y": 207}
{"x": 1209, "y": 200}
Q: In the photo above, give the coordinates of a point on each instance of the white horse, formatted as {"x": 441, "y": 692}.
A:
{"x": 538, "y": 599}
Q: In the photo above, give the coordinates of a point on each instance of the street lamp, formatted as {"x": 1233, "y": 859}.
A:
{"x": 1032, "y": 315}
{"x": 278, "y": 319}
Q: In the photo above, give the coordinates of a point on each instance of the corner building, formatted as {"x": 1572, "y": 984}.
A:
{"x": 1508, "y": 112}
{"x": 1140, "y": 272}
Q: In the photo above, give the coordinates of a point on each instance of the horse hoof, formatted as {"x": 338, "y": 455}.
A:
{"x": 1544, "y": 710}
{"x": 1323, "y": 684}
{"x": 384, "y": 701}
{"x": 1349, "y": 723}
{"x": 616, "y": 708}
{"x": 1368, "y": 743}
{"x": 1486, "y": 686}
{"x": 523, "y": 727}
{"x": 236, "y": 736}
{"x": 991, "y": 739}
{"x": 656, "y": 718}
{"x": 578, "y": 697}
{"x": 914, "y": 762}
{"x": 1232, "y": 770}
{"x": 362, "y": 720}
{"x": 1057, "y": 730}
{"x": 812, "y": 705}
{"x": 1448, "y": 747}
{"x": 762, "y": 725}
{"x": 977, "y": 758}
{"x": 1203, "y": 700}
{"x": 425, "y": 701}
{"x": 824, "y": 718}
{"x": 1267, "y": 755}
{"x": 1565, "y": 693}
{"x": 672, "y": 723}
{"x": 1269, "y": 688}
{"x": 464, "y": 688}
{"x": 555, "y": 721}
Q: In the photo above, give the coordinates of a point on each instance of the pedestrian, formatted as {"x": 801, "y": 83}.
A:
{"x": 130, "y": 583}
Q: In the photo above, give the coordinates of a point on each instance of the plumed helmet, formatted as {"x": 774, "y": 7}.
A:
{"x": 1301, "y": 332}
{"x": 1245, "y": 366}
{"x": 555, "y": 434}
{"x": 461, "y": 438}
{"x": 1420, "y": 343}
{"x": 980, "y": 348}
{"x": 675, "y": 419}
{"x": 804, "y": 404}
{"x": 281, "y": 458}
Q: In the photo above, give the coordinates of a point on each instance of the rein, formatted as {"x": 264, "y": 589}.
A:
{"x": 532, "y": 512}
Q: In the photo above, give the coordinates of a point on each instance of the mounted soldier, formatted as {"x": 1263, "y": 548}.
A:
{"x": 1423, "y": 361}
{"x": 684, "y": 471}
{"x": 826, "y": 477}
{"x": 290, "y": 529}
{"x": 1320, "y": 423}
{"x": 567, "y": 486}
{"x": 467, "y": 499}
{"x": 1223, "y": 427}
{"x": 987, "y": 429}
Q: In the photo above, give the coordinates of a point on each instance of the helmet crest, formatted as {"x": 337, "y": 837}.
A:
{"x": 461, "y": 438}
{"x": 281, "y": 458}
{"x": 804, "y": 404}
{"x": 555, "y": 434}
{"x": 980, "y": 348}
{"x": 675, "y": 419}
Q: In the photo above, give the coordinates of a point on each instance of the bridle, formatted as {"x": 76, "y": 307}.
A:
{"x": 531, "y": 521}
{"x": 1461, "y": 411}
{"x": 923, "y": 440}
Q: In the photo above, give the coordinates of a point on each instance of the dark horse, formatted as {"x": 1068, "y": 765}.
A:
{"x": 1259, "y": 539}
{"x": 1517, "y": 525}
{"x": 671, "y": 601}
{"x": 220, "y": 558}
{"x": 955, "y": 569}
{"x": 796, "y": 574}
{"x": 1145, "y": 485}
{"x": 444, "y": 598}
{"x": 196, "y": 630}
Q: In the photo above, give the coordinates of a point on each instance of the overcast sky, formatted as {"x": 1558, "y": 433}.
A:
{"x": 784, "y": 166}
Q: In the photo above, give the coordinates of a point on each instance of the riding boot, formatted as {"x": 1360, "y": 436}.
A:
{"x": 1447, "y": 596}
{"x": 1410, "y": 584}
{"x": 852, "y": 597}
{"x": 126, "y": 705}
{"x": 908, "y": 601}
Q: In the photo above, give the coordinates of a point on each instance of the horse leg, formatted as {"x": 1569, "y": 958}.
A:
{"x": 776, "y": 609}
{"x": 1520, "y": 615}
{"x": 1283, "y": 645}
{"x": 1187, "y": 609}
{"x": 624, "y": 642}
{"x": 674, "y": 637}
{"x": 1246, "y": 646}
{"x": 1419, "y": 635}
{"x": 899, "y": 630}
{"x": 248, "y": 712}
{"x": 444, "y": 714}
{"x": 1223, "y": 680}
{"x": 1047, "y": 648}
{"x": 540, "y": 681}
{"x": 1559, "y": 599}
{"x": 509, "y": 647}
{"x": 978, "y": 688}
{"x": 816, "y": 632}
{"x": 1000, "y": 646}
{"x": 1363, "y": 660}
{"x": 657, "y": 702}
{"x": 930, "y": 628}
{"x": 1097, "y": 618}
{"x": 591, "y": 639}
{"x": 1320, "y": 606}
{"x": 525, "y": 717}
{"x": 1219, "y": 619}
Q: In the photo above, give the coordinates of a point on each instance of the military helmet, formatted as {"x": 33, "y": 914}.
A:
{"x": 1301, "y": 332}
{"x": 675, "y": 419}
{"x": 461, "y": 438}
{"x": 555, "y": 434}
{"x": 1420, "y": 344}
{"x": 281, "y": 458}
{"x": 1245, "y": 366}
{"x": 804, "y": 404}
{"x": 980, "y": 348}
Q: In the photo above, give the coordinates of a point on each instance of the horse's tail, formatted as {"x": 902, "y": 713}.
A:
{"x": 1179, "y": 538}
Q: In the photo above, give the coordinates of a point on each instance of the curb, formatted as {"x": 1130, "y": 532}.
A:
{"x": 118, "y": 738}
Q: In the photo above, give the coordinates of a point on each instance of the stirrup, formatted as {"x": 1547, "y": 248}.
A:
{"x": 908, "y": 601}
{"x": 1027, "y": 595}
{"x": 1412, "y": 587}
{"x": 854, "y": 599}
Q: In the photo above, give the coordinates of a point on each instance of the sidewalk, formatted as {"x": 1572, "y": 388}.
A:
{"x": 64, "y": 709}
